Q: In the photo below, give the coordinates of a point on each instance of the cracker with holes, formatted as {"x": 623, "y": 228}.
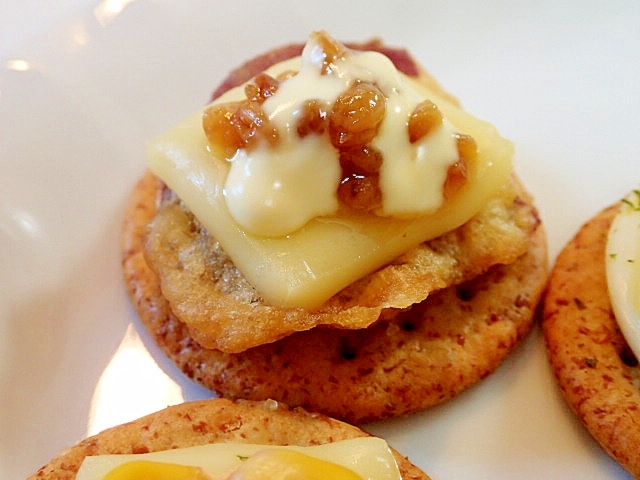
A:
{"x": 371, "y": 306}
{"x": 596, "y": 370}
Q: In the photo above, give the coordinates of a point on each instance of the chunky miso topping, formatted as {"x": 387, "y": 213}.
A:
{"x": 243, "y": 124}
{"x": 329, "y": 51}
{"x": 425, "y": 118}
{"x": 382, "y": 148}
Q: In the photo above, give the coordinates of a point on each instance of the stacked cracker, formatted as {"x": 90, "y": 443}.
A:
{"x": 473, "y": 291}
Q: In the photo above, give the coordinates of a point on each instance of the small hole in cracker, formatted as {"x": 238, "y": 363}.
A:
{"x": 628, "y": 358}
{"x": 465, "y": 293}
{"x": 348, "y": 352}
{"x": 408, "y": 326}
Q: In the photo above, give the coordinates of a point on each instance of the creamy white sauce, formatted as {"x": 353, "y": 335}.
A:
{"x": 275, "y": 191}
{"x": 262, "y": 185}
{"x": 623, "y": 269}
{"x": 412, "y": 176}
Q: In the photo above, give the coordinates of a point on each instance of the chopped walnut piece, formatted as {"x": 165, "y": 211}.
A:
{"x": 224, "y": 138}
{"x": 362, "y": 159}
{"x": 332, "y": 51}
{"x": 425, "y": 118}
{"x": 360, "y": 192}
{"x": 234, "y": 125}
{"x": 262, "y": 87}
{"x": 359, "y": 188}
{"x": 314, "y": 119}
{"x": 457, "y": 173}
{"x": 356, "y": 115}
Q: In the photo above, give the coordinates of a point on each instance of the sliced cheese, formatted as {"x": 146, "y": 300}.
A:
{"x": 369, "y": 457}
{"x": 308, "y": 266}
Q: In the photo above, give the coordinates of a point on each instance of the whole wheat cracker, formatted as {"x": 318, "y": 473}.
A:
{"x": 210, "y": 421}
{"x": 414, "y": 359}
{"x": 598, "y": 375}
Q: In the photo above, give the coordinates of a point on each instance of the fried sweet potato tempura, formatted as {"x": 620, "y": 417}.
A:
{"x": 224, "y": 312}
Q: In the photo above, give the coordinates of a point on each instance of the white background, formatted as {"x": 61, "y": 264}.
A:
{"x": 83, "y": 85}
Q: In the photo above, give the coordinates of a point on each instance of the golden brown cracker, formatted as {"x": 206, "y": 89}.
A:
{"x": 596, "y": 372}
{"x": 412, "y": 360}
{"x": 211, "y": 421}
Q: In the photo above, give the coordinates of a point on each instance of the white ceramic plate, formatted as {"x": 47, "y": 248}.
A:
{"x": 85, "y": 83}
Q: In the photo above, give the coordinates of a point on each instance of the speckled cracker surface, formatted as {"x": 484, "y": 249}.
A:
{"x": 413, "y": 359}
{"x": 597, "y": 373}
{"x": 211, "y": 421}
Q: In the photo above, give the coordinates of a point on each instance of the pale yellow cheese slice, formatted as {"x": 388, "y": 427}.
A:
{"x": 369, "y": 457}
{"x": 309, "y": 266}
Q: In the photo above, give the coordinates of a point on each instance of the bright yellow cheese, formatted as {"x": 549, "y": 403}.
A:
{"x": 144, "y": 469}
{"x": 307, "y": 267}
{"x": 365, "y": 458}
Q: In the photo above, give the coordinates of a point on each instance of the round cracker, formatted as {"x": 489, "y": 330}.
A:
{"x": 412, "y": 360}
{"x": 210, "y": 421}
{"x": 595, "y": 369}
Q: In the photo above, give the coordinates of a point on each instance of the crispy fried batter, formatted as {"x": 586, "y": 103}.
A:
{"x": 223, "y": 311}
